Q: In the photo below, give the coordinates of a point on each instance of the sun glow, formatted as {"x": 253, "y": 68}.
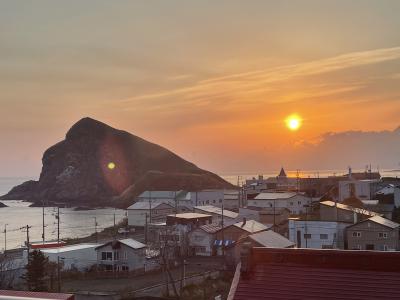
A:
{"x": 111, "y": 165}
{"x": 293, "y": 122}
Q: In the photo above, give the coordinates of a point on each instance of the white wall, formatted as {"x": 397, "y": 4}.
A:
{"x": 294, "y": 204}
{"x": 333, "y": 231}
{"x": 199, "y": 238}
{"x": 137, "y": 217}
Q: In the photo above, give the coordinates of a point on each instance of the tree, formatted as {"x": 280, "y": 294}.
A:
{"x": 36, "y": 271}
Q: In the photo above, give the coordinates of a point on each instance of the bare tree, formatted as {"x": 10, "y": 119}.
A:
{"x": 8, "y": 272}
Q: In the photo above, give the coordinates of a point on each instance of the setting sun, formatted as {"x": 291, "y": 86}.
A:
{"x": 293, "y": 122}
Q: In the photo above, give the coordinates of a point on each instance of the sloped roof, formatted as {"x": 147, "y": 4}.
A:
{"x": 211, "y": 228}
{"x": 350, "y": 208}
{"x": 381, "y": 221}
{"x": 70, "y": 248}
{"x": 271, "y": 239}
{"x": 318, "y": 274}
{"x": 282, "y": 173}
{"x": 275, "y": 196}
{"x": 189, "y": 216}
{"x": 131, "y": 243}
{"x": 251, "y": 226}
{"x": 217, "y": 210}
{"x": 145, "y": 205}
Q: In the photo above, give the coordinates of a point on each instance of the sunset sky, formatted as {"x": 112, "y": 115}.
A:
{"x": 212, "y": 81}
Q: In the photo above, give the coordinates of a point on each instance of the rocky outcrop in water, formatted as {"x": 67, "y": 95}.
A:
{"x": 97, "y": 165}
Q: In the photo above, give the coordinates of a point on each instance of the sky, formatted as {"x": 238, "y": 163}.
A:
{"x": 212, "y": 81}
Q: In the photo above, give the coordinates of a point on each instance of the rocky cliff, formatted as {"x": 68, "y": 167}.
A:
{"x": 97, "y": 165}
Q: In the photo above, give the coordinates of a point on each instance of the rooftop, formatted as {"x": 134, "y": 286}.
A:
{"x": 128, "y": 242}
{"x": 145, "y": 205}
{"x": 211, "y": 228}
{"x": 275, "y": 196}
{"x": 350, "y": 208}
{"x": 271, "y": 273}
{"x": 189, "y": 216}
{"x": 251, "y": 226}
{"x": 271, "y": 239}
{"x": 217, "y": 210}
{"x": 70, "y": 248}
{"x": 382, "y": 221}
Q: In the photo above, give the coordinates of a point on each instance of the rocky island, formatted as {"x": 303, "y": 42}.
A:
{"x": 97, "y": 165}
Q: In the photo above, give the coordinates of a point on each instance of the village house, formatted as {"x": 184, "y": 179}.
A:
{"x": 362, "y": 189}
{"x": 333, "y": 211}
{"x": 296, "y": 203}
{"x": 202, "y": 239}
{"x": 79, "y": 257}
{"x": 141, "y": 213}
{"x": 216, "y": 213}
{"x": 122, "y": 255}
{"x": 240, "y": 230}
{"x": 268, "y": 238}
{"x": 375, "y": 233}
{"x": 317, "y": 234}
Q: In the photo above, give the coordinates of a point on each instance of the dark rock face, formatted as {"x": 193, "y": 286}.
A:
{"x": 96, "y": 163}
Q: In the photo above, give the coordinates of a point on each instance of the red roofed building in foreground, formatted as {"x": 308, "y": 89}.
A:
{"x": 268, "y": 273}
{"x": 25, "y": 295}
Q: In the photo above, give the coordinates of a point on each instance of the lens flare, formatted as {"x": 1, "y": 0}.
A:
{"x": 111, "y": 165}
{"x": 293, "y": 122}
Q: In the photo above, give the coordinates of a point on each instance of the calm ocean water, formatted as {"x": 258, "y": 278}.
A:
{"x": 81, "y": 223}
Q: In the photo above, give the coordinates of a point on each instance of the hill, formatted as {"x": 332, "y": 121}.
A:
{"x": 97, "y": 165}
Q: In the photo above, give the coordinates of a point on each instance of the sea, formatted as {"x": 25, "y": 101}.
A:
{"x": 74, "y": 224}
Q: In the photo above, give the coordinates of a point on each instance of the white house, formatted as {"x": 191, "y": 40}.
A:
{"x": 154, "y": 212}
{"x": 80, "y": 256}
{"x": 317, "y": 234}
{"x": 295, "y": 202}
{"x": 122, "y": 255}
{"x": 362, "y": 189}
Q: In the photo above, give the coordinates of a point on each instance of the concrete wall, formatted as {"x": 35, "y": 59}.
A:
{"x": 294, "y": 204}
{"x": 369, "y": 232}
{"x": 80, "y": 259}
{"x": 322, "y": 234}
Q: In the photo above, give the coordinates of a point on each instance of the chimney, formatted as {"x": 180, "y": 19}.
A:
{"x": 244, "y": 221}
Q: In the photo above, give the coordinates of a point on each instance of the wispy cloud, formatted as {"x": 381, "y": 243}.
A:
{"x": 243, "y": 85}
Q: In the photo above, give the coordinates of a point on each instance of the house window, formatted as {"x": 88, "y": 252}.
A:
{"x": 125, "y": 268}
{"x": 116, "y": 255}
{"x": 383, "y": 248}
{"x": 125, "y": 255}
{"x": 106, "y": 255}
{"x": 356, "y": 234}
{"x": 270, "y": 205}
{"x": 307, "y": 236}
{"x": 357, "y": 247}
{"x": 383, "y": 235}
{"x": 299, "y": 202}
{"x": 323, "y": 236}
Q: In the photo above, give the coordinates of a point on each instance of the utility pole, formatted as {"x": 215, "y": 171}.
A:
{"x": 223, "y": 236}
{"x": 58, "y": 275}
{"x": 43, "y": 221}
{"x": 95, "y": 228}
{"x": 58, "y": 224}
{"x": 27, "y": 237}
{"x": 274, "y": 217}
{"x": 5, "y": 238}
{"x": 145, "y": 230}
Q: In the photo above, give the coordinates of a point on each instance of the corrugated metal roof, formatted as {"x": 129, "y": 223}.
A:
{"x": 189, "y": 216}
{"x": 211, "y": 228}
{"x": 384, "y": 222}
{"x": 70, "y": 248}
{"x": 271, "y": 239}
{"x": 251, "y": 226}
{"x": 145, "y": 205}
{"x": 8, "y": 294}
{"x": 351, "y": 208}
{"x": 132, "y": 243}
{"x": 217, "y": 210}
{"x": 281, "y": 281}
{"x": 275, "y": 196}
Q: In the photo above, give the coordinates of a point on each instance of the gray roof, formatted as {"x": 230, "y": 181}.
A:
{"x": 275, "y": 196}
{"x": 189, "y": 216}
{"x": 384, "y": 222}
{"x": 271, "y": 239}
{"x": 350, "y": 208}
{"x": 251, "y": 226}
{"x": 146, "y": 205}
{"x": 217, "y": 210}
{"x": 131, "y": 243}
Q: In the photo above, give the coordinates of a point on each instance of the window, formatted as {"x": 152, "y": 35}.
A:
{"x": 357, "y": 247}
{"x": 270, "y": 205}
{"x": 125, "y": 255}
{"x": 299, "y": 202}
{"x": 323, "y": 236}
{"x": 116, "y": 255}
{"x": 125, "y": 268}
{"x": 383, "y": 235}
{"x": 307, "y": 236}
{"x": 356, "y": 234}
{"x": 106, "y": 255}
